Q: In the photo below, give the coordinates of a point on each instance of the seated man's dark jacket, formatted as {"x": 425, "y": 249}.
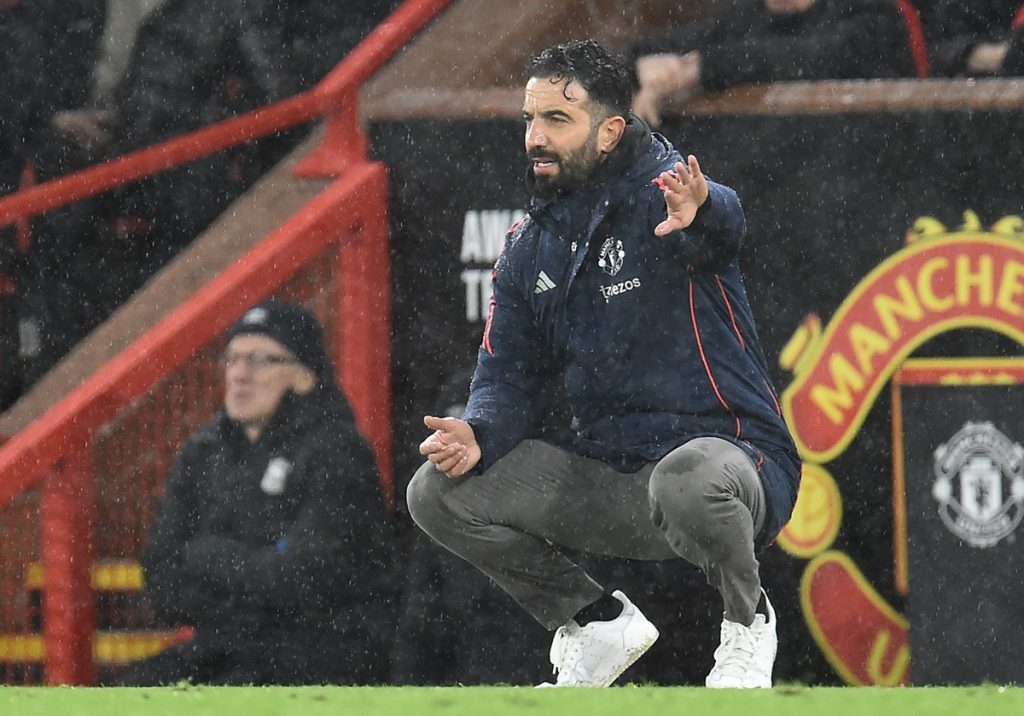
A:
{"x": 834, "y": 39}
{"x": 289, "y": 531}
{"x": 654, "y": 335}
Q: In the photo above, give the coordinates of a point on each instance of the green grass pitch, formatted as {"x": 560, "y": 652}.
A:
{"x": 509, "y": 701}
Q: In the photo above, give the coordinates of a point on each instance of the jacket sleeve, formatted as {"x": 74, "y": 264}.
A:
{"x": 680, "y": 40}
{"x": 866, "y": 40}
{"x": 714, "y": 238}
{"x": 176, "y": 591}
{"x": 288, "y": 51}
{"x": 959, "y": 27}
{"x": 501, "y": 399}
{"x": 174, "y": 65}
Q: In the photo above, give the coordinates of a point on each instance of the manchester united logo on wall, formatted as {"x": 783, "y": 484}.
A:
{"x": 943, "y": 280}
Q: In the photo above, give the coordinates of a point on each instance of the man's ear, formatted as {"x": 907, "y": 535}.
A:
{"x": 609, "y": 133}
{"x": 304, "y": 380}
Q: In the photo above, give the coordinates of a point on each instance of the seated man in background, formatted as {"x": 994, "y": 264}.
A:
{"x": 758, "y": 41}
{"x": 273, "y": 539}
{"x": 975, "y": 39}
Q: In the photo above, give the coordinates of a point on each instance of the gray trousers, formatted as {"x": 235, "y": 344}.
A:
{"x": 703, "y": 502}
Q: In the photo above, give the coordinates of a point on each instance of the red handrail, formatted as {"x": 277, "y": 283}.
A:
{"x": 334, "y": 95}
{"x": 916, "y": 40}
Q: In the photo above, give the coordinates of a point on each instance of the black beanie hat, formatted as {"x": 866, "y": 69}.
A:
{"x": 293, "y": 327}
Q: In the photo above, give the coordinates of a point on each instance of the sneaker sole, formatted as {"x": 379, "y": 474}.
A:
{"x": 633, "y": 655}
{"x": 631, "y": 658}
{"x": 719, "y": 685}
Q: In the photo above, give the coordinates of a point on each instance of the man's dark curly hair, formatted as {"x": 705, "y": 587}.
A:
{"x": 608, "y": 78}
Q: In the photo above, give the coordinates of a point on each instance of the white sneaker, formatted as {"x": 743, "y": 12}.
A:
{"x": 745, "y": 658}
{"x": 597, "y": 653}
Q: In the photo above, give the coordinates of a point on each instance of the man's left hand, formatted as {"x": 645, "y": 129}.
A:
{"x": 685, "y": 191}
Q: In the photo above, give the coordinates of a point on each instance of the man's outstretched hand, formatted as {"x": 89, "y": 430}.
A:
{"x": 685, "y": 191}
{"x": 452, "y": 447}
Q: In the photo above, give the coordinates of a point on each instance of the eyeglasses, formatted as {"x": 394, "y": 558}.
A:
{"x": 256, "y": 361}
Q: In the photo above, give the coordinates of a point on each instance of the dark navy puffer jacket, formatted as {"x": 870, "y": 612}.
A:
{"x": 654, "y": 335}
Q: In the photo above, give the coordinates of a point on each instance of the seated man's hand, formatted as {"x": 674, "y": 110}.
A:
{"x": 88, "y": 128}
{"x": 662, "y": 76}
{"x": 987, "y": 58}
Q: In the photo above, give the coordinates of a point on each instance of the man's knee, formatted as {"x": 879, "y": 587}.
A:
{"x": 683, "y": 482}
{"x": 423, "y": 496}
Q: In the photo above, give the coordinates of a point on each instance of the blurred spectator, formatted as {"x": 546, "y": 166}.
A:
{"x": 39, "y": 40}
{"x": 771, "y": 41}
{"x": 16, "y": 36}
{"x": 193, "y": 62}
{"x": 197, "y": 62}
{"x": 979, "y": 38}
{"x": 124, "y": 17}
{"x": 272, "y": 539}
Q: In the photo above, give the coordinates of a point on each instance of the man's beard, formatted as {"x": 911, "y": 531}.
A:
{"x": 574, "y": 170}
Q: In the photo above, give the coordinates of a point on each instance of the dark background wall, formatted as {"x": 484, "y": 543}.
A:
{"x": 827, "y": 196}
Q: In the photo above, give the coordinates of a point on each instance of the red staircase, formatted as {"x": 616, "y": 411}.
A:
{"x": 78, "y": 485}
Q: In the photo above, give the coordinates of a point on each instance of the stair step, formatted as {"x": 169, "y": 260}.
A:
{"x": 109, "y": 647}
{"x": 108, "y": 575}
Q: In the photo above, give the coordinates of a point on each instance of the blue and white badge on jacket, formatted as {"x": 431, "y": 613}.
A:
{"x": 275, "y": 476}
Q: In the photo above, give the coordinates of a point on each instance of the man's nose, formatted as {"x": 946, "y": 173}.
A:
{"x": 535, "y": 137}
{"x": 238, "y": 371}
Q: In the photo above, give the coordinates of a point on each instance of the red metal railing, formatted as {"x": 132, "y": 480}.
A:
{"x": 57, "y": 459}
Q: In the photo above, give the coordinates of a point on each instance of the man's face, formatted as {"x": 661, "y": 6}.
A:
{"x": 561, "y": 139}
{"x": 258, "y": 371}
{"x": 788, "y": 7}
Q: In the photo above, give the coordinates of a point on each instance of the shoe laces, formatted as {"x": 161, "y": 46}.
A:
{"x": 566, "y": 650}
{"x": 738, "y": 647}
